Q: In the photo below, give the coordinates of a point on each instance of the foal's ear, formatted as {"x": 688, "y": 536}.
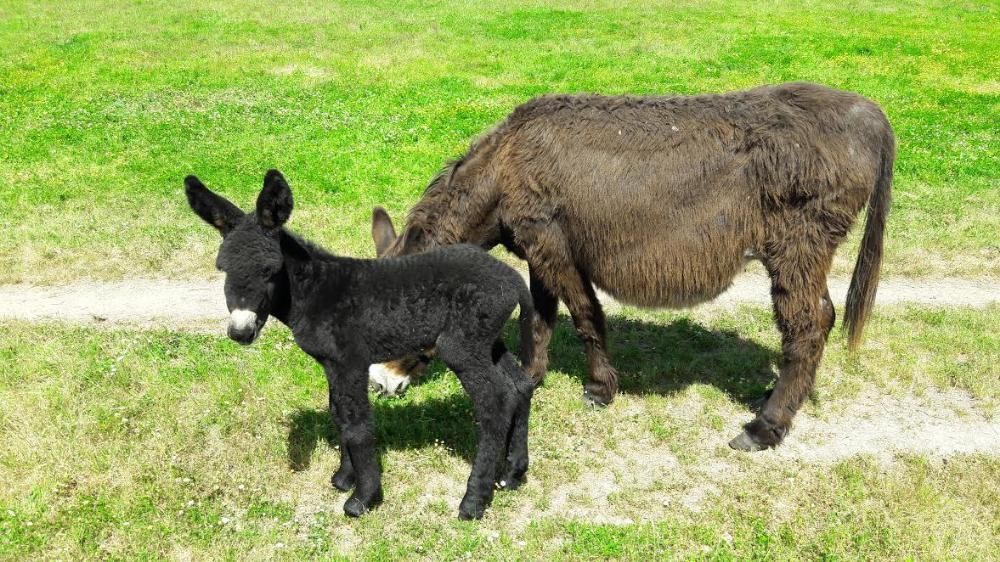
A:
{"x": 274, "y": 204}
{"x": 213, "y": 209}
{"x": 383, "y": 232}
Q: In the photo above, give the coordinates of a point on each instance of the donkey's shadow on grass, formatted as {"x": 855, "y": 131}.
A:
{"x": 651, "y": 358}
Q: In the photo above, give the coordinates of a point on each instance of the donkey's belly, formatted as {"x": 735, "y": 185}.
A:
{"x": 658, "y": 279}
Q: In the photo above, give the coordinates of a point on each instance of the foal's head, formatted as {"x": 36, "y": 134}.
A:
{"x": 250, "y": 254}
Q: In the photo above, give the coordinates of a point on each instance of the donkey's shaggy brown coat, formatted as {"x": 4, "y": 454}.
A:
{"x": 661, "y": 200}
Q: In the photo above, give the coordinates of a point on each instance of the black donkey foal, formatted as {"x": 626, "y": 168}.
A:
{"x": 349, "y": 313}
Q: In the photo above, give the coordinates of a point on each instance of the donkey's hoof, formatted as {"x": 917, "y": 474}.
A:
{"x": 744, "y": 442}
{"x": 594, "y": 400}
{"x": 471, "y": 509}
{"x": 343, "y": 481}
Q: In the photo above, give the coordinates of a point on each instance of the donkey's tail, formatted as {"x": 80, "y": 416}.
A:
{"x": 864, "y": 281}
{"x": 526, "y": 321}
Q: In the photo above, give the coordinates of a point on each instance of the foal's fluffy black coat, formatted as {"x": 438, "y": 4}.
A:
{"x": 349, "y": 313}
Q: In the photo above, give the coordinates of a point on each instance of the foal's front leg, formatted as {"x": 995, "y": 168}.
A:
{"x": 351, "y": 411}
{"x": 344, "y": 478}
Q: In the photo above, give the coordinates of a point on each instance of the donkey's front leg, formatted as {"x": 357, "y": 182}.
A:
{"x": 348, "y": 382}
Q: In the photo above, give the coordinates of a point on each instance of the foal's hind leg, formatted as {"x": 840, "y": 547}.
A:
{"x": 520, "y": 390}
{"x": 551, "y": 261}
{"x": 804, "y": 314}
{"x": 493, "y": 412}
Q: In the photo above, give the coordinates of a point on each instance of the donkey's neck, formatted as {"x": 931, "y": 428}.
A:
{"x": 459, "y": 205}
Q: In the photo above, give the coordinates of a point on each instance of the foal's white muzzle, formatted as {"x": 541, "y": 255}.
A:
{"x": 243, "y": 325}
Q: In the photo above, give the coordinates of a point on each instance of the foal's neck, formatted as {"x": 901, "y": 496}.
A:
{"x": 308, "y": 266}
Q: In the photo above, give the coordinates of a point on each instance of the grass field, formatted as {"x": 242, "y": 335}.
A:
{"x": 123, "y": 444}
{"x": 105, "y": 106}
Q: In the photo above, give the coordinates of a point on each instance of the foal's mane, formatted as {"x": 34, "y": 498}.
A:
{"x": 314, "y": 250}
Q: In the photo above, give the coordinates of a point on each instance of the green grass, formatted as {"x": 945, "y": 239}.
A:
{"x": 123, "y": 444}
{"x": 105, "y": 106}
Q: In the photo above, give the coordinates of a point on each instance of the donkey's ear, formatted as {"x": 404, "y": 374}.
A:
{"x": 213, "y": 209}
{"x": 413, "y": 239}
{"x": 274, "y": 204}
{"x": 383, "y": 232}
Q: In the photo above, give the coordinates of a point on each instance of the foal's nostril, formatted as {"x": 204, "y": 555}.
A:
{"x": 242, "y": 326}
{"x": 243, "y": 336}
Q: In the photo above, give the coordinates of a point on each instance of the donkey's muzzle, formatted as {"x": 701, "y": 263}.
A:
{"x": 242, "y": 326}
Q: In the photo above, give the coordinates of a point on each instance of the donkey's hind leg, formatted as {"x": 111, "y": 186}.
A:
{"x": 804, "y": 314}
{"x": 493, "y": 412}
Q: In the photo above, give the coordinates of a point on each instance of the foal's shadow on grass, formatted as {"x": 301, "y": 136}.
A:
{"x": 651, "y": 358}
{"x": 400, "y": 423}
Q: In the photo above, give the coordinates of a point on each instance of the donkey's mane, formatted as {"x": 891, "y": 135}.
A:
{"x": 443, "y": 195}
{"x": 438, "y": 196}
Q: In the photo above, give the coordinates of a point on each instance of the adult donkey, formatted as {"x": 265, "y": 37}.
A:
{"x": 661, "y": 200}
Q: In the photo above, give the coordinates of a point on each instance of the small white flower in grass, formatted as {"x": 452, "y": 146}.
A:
{"x": 225, "y": 520}
{"x": 241, "y": 487}
{"x": 521, "y": 544}
{"x": 10, "y": 512}
{"x": 279, "y": 545}
{"x": 191, "y": 503}
{"x": 28, "y": 523}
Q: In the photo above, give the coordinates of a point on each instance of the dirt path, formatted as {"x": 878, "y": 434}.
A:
{"x": 936, "y": 426}
{"x": 179, "y": 304}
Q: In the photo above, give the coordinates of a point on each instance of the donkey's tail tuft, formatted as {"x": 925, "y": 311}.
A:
{"x": 864, "y": 281}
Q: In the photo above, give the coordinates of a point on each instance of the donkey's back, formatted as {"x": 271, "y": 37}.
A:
{"x": 668, "y": 196}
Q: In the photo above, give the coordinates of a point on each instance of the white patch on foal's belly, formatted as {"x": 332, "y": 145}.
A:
{"x": 241, "y": 319}
{"x": 392, "y": 383}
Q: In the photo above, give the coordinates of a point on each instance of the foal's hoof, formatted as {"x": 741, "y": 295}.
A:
{"x": 471, "y": 509}
{"x": 355, "y": 507}
{"x": 342, "y": 481}
{"x": 511, "y": 482}
{"x": 744, "y": 442}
